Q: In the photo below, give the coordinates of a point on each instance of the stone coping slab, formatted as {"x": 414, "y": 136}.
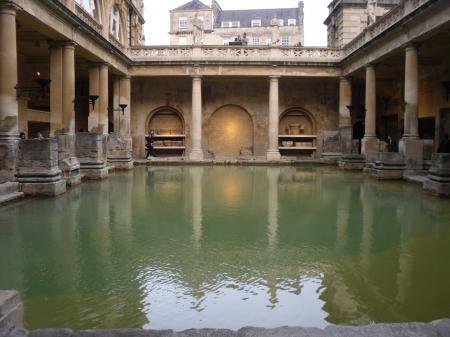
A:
{"x": 440, "y": 328}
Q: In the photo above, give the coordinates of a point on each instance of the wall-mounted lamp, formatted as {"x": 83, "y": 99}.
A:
{"x": 446, "y": 86}
{"x": 92, "y": 99}
{"x": 43, "y": 83}
{"x": 123, "y": 107}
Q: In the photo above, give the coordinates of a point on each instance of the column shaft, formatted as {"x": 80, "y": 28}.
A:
{"x": 103, "y": 99}
{"x": 273, "y": 152}
{"x": 116, "y": 102}
{"x": 125, "y": 98}
{"x": 196, "y": 121}
{"x": 411, "y": 93}
{"x": 68, "y": 89}
{"x": 345, "y": 100}
{"x": 9, "y": 121}
{"x": 94, "y": 90}
{"x": 56, "y": 94}
{"x": 371, "y": 102}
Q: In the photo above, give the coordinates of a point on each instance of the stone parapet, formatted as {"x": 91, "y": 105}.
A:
{"x": 68, "y": 163}
{"x": 386, "y": 165}
{"x": 120, "y": 152}
{"x": 8, "y": 158}
{"x": 438, "y": 179}
{"x": 440, "y": 328}
{"x": 92, "y": 154}
{"x": 11, "y": 310}
{"x": 37, "y": 168}
{"x": 352, "y": 162}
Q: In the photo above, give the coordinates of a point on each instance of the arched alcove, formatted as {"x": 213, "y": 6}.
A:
{"x": 297, "y": 132}
{"x": 230, "y": 132}
{"x": 168, "y": 126}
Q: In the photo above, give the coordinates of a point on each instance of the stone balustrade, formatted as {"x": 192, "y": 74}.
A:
{"x": 262, "y": 54}
{"x": 387, "y": 21}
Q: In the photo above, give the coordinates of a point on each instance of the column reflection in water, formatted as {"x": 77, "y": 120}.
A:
{"x": 196, "y": 174}
{"x": 273, "y": 175}
{"x": 343, "y": 217}
{"x": 367, "y": 201}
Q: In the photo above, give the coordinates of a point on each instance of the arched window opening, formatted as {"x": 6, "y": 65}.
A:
{"x": 89, "y": 6}
{"x": 115, "y": 24}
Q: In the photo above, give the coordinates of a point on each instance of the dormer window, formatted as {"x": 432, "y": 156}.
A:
{"x": 256, "y": 23}
{"x": 231, "y": 24}
{"x": 235, "y": 24}
{"x": 292, "y": 22}
{"x": 182, "y": 22}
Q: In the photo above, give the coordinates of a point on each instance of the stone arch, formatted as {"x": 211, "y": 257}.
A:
{"x": 117, "y": 28}
{"x": 293, "y": 117}
{"x": 230, "y": 131}
{"x": 165, "y": 120}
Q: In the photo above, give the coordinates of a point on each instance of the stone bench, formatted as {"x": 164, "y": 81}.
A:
{"x": 438, "y": 179}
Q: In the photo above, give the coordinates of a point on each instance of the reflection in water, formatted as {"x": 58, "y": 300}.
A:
{"x": 186, "y": 247}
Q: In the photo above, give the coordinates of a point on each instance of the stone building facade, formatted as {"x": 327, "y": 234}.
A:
{"x": 107, "y": 91}
{"x": 197, "y": 23}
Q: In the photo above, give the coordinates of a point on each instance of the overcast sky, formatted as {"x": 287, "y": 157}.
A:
{"x": 157, "y": 17}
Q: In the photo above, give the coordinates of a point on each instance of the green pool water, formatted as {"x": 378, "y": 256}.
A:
{"x": 185, "y": 247}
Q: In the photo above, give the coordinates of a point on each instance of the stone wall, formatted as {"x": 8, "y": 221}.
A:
{"x": 318, "y": 97}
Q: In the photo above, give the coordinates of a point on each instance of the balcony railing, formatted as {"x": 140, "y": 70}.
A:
{"x": 235, "y": 54}
{"x": 385, "y": 22}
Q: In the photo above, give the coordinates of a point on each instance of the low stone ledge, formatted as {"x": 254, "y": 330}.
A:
{"x": 11, "y": 310}
{"x": 439, "y": 328}
{"x": 438, "y": 180}
{"x": 352, "y": 162}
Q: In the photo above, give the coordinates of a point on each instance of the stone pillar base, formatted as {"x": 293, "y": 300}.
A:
{"x": 346, "y": 137}
{"x": 8, "y": 159}
{"x": 196, "y": 155}
{"x": 387, "y": 166}
{"x": 273, "y": 155}
{"x": 352, "y": 162}
{"x": 68, "y": 163}
{"x": 370, "y": 144}
{"x": 11, "y": 310}
{"x": 37, "y": 168}
{"x": 9, "y": 192}
{"x": 91, "y": 152}
{"x": 119, "y": 152}
{"x": 438, "y": 181}
{"x": 330, "y": 158}
{"x": 412, "y": 150}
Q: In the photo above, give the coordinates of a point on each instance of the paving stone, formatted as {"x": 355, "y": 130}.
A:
{"x": 124, "y": 333}
{"x": 18, "y": 333}
{"x": 443, "y": 327}
{"x": 384, "y": 330}
{"x": 207, "y": 333}
{"x": 281, "y": 332}
{"x": 51, "y": 333}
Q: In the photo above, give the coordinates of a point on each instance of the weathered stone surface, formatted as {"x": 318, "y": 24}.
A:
{"x": 18, "y": 333}
{"x": 438, "y": 179}
{"x": 442, "y": 326}
{"x": 91, "y": 152}
{"x": 386, "y": 165}
{"x": 8, "y": 158}
{"x": 412, "y": 150}
{"x": 68, "y": 163}
{"x": 122, "y": 333}
{"x": 51, "y": 333}
{"x": 384, "y": 330}
{"x": 11, "y": 310}
{"x": 281, "y": 332}
{"x": 37, "y": 167}
{"x": 9, "y": 192}
{"x": 207, "y": 333}
{"x": 352, "y": 162}
{"x": 120, "y": 152}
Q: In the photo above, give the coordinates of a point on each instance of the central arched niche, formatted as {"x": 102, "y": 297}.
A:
{"x": 166, "y": 121}
{"x": 230, "y": 132}
{"x": 297, "y": 121}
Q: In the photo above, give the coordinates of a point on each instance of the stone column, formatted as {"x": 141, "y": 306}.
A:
{"x": 67, "y": 161}
{"x": 103, "y": 99}
{"x": 196, "y": 119}
{"x": 125, "y": 98}
{"x": 9, "y": 109}
{"x": 94, "y": 90}
{"x": 68, "y": 88}
{"x": 116, "y": 102}
{"x": 410, "y": 145}
{"x": 345, "y": 123}
{"x": 370, "y": 141}
{"x": 56, "y": 87}
{"x": 273, "y": 153}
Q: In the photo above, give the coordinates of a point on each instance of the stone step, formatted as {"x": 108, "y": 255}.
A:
{"x": 9, "y": 192}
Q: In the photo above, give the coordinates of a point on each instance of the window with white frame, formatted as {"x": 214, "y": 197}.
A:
{"x": 235, "y": 24}
{"x": 182, "y": 41}
{"x": 255, "y": 40}
{"x": 285, "y": 41}
{"x": 226, "y": 24}
{"x": 292, "y": 22}
{"x": 182, "y": 22}
{"x": 115, "y": 26}
{"x": 269, "y": 40}
{"x": 256, "y": 23}
{"x": 281, "y": 22}
{"x": 88, "y": 6}
{"x": 226, "y": 42}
